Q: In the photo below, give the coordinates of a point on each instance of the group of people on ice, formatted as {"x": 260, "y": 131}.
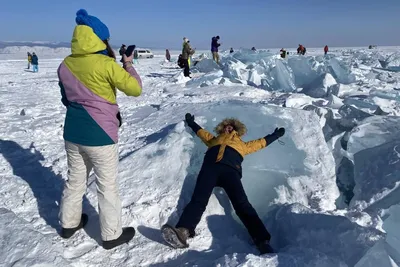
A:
{"x": 34, "y": 61}
{"x": 87, "y": 80}
{"x": 187, "y": 52}
{"x": 184, "y": 59}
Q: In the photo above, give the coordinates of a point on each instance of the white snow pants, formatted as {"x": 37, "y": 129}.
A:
{"x": 104, "y": 161}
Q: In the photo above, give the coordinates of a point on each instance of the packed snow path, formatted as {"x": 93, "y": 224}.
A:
{"x": 292, "y": 186}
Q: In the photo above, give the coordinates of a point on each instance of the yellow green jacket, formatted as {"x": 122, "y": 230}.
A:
{"x": 88, "y": 80}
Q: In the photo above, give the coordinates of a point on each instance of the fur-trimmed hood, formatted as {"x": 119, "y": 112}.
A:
{"x": 238, "y": 126}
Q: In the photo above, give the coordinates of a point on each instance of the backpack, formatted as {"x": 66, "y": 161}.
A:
{"x": 180, "y": 62}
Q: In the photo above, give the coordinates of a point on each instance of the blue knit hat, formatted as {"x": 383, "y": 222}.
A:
{"x": 99, "y": 28}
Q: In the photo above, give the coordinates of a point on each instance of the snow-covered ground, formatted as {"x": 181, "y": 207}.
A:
{"x": 329, "y": 194}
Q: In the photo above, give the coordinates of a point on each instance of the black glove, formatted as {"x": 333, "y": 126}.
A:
{"x": 279, "y": 132}
{"x": 275, "y": 135}
{"x": 189, "y": 119}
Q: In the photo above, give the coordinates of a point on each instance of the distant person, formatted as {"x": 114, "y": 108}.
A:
{"x": 231, "y": 51}
{"x": 253, "y": 49}
{"x": 214, "y": 48}
{"x": 187, "y": 52}
{"x": 29, "y": 60}
{"x": 35, "y": 62}
{"x": 283, "y": 53}
{"x": 122, "y": 51}
{"x": 326, "y": 49}
{"x": 167, "y": 55}
{"x": 222, "y": 167}
{"x": 299, "y": 49}
{"x": 135, "y": 57}
{"x": 88, "y": 79}
{"x": 303, "y": 52}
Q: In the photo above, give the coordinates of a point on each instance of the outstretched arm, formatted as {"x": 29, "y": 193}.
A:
{"x": 255, "y": 145}
{"x": 204, "y": 135}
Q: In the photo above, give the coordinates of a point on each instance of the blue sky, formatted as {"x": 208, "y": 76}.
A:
{"x": 239, "y": 23}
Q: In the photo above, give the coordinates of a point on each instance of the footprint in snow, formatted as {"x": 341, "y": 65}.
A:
{"x": 79, "y": 250}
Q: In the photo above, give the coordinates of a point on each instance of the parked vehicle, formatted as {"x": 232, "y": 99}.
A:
{"x": 144, "y": 53}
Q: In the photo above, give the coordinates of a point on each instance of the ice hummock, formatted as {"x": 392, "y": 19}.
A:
{"x": 377, "y": 177}
{"x": 386, "y": 252}
{"x": 263, "y": 69}
{"x": 392, "y": 62}
{"x": 372, "y": 132}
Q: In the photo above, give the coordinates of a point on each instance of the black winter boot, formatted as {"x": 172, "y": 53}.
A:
{"x": 68, "y": 232}
{"x": 264, "y": 247}
{"x": 127, "y": 234}
{"x": 175, "y": 237}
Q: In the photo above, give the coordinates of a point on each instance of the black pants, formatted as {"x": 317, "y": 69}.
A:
{"x": 186, "y": 71}
{"x": 224, "y": 176}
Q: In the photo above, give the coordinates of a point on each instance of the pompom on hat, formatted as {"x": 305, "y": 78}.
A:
{"x": 99, "y": 28}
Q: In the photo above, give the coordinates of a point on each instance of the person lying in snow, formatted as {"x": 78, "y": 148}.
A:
{"x": 222, "y": 168}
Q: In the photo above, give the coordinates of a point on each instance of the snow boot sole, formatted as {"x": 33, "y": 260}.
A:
{"x": 68, "y": 232}
{"x": 127, "y": 234}
{"x": 171, "y": 236}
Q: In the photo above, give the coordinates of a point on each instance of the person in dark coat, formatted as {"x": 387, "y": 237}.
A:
{"x": 122, "y": 51}
{"x": 187, "y": 52}
{"x": 300, "y": 49}
{"x": 283, "y": 53}
{"x": 167, "y": 55}
{"x": 35, "y": 62}
{"x": 135, "y": 57}
{"x": 214, "y": 48}
{"x": 222, "y": 167}
{"x": 303, "y": 52}
{"x": 326, "y": 49}
{"x": 231, "y": 51}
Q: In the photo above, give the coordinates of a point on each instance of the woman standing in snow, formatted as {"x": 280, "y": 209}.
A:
{"x": 222, "y": 167}
{"x": 88, "y": 82}
{"x": 135, "y": 57}
{"x": 35, "y": 62}
{"x": 29, "y": 60}
{"x": 122, "y": 51}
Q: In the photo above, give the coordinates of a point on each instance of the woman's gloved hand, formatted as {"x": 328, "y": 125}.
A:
{"x": 189, "y": 118}
{"x": 279, "y": 132}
